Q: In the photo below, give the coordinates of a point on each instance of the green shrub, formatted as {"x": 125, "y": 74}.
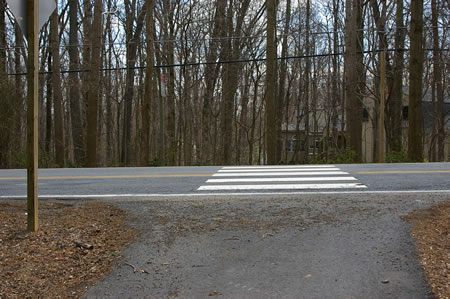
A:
{"x": 70, "y": 164}
{"x": 396, "y": 157}
{"x": 155, "y": 162}
{"x": 347, "y": 156}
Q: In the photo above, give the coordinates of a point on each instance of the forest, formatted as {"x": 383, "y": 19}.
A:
{"x": 230, "y": 82}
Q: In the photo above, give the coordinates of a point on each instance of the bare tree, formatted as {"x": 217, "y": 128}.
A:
{"x": 282, "y": 101}
{"x": 134, "y": 22}
{"x": 56, "y": 86}
{"x": 396, "y": 97}
{"x": 148, "y": 93}
{"x": 415, "y": 115}
{"x": 271, "y": 84}
{"x": 4, "y": 105}
{"x": 75, "y": 85}
{"x": 94, "y": 84}
{"x": 437, "y": 82}
{"x": 211, "y": 74}
{"x": 354, "y": 75}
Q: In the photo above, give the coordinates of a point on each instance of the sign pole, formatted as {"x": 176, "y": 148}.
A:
{"x": 32, "y": 13}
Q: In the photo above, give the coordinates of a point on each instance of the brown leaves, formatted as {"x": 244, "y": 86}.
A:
{"x": 431, "y": 230}
{"x": 71, "y": 251}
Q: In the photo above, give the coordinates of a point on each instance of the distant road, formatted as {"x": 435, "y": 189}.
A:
{"x": 231, "y": 180}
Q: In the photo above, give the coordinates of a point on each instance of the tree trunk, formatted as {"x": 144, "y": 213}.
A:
{"x": 391, "y": 111}
{"x": 94, "y": 84}
{"x": 437, "y": 81}
{"x": 188, "y": 119}
{"x": 75, "y": 86}
{"x": 271, "y": 84}
{"x": 334, "y": 89}
{"x": 415, "y": 116}
{"x": 48, "y": 110}
{"x": 169, "y": 34}
{"x": 251, "y": 139}
{"x": 243, "y": 119}
{"x": 132, "y": 36}
{"x": 434, "y": 126}
{"x": 4, "y": 105}
{"x": 396, "y": 97}
{"x": 231, "y": 50}
{"x": 57, "y": 94}
{"x": 86, "y": 53}
{"x": 20, "y": 87}
{"x": 307, "y": 82}
{"x": 282, "y": 79}
{"x": 148, "y": 92}
{"x": 228, "y": 75}
{"x": 108, "y": 89}
{"x": 211, "y": 74}
{"x": 354, "y": 76}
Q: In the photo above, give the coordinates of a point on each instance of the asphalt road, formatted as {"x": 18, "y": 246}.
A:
{"x": 174, "y": 181}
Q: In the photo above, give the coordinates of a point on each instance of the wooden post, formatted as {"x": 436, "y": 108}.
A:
{"x": 381, "y": 125}
{"x": 32, "y": 113}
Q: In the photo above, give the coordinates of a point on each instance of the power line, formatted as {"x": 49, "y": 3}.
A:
{"x": 200, "y": 63}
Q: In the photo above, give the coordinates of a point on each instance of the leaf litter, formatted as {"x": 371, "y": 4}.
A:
{"x": 431, "y": 231}
{"x": 76, "y": 245}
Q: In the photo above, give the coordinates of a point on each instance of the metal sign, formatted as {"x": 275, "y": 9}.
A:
{"x": 19, "y": 10}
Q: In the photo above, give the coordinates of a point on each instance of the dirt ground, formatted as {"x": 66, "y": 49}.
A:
{"x": 75, "y": 246}
{"x": 431, "y": 231}
{"x": 78, "y": 244}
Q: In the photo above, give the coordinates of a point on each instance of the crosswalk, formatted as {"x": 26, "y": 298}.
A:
{"x": 289, "y": 177}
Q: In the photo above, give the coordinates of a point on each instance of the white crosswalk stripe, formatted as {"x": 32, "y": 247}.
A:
{"x": 280, "y": 173}
{"x": 278, "y": 170}
{"x": 290, "y": 177}
{"x": 299, "y": 179}
{"x": 277, "y": 166}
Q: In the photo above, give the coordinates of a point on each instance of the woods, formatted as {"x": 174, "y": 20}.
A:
{"x": 176, "y": 82}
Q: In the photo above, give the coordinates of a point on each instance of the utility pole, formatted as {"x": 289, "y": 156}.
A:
{"x": 32, "y": 14}
{"x": 381, "y": 118}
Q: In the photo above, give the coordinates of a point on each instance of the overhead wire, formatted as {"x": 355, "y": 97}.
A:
{"x": 200, "y": 63}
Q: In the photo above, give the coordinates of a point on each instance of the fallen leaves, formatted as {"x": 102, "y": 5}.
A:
{"x": 431, "y": 230}
{"x": 75, "y": 246}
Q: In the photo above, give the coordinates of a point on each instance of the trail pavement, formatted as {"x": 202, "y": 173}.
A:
{"x": 308, "y": 246}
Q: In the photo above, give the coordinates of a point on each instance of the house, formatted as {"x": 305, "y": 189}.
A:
{"x": 294, "y": 138}
{"x": 294, "y": 141}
